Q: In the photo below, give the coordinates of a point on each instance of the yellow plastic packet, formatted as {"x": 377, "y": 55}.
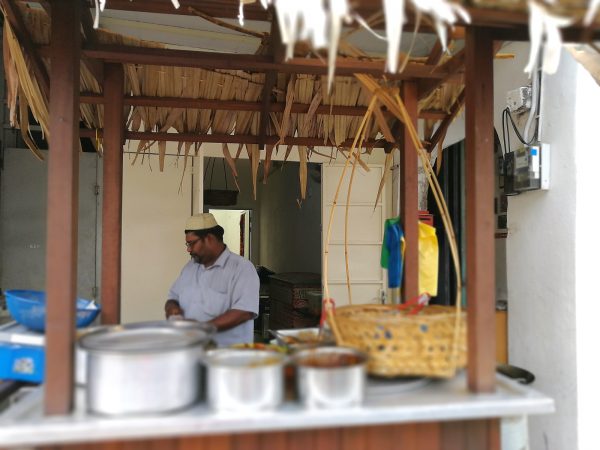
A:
{"x": 428, "y": 259}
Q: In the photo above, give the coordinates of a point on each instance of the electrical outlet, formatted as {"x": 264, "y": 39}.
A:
{"x": 519, "y": 99}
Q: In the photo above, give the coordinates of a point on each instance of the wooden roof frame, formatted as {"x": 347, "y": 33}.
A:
{"x": 66, "y": 53}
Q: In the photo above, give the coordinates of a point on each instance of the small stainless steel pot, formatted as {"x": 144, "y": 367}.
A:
{"x": 330, "y": 377}
{"x": 144, "y": 368}
{"x": 244, "y": 379}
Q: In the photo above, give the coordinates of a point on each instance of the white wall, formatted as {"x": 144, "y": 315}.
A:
{"x": 541, "y": 261}
{"x": 587, "y": 251}
{"x": 153, "y": 249}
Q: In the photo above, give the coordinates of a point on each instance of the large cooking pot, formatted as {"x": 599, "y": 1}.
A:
{"x": 144, "y": 368}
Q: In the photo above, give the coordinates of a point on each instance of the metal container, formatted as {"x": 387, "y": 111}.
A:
{"x": 330, "y": 377}
{"x": 81, "y": 355}
{"x": 144, "y": 368}
{"x": 244, "y": 380}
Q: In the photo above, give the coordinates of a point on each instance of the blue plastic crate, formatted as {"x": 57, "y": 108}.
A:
{"x": 29, "y": 309}
{"x": 22, "y": 362}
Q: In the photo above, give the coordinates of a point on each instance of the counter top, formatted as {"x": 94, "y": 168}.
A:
{"x": 391, "y": 403}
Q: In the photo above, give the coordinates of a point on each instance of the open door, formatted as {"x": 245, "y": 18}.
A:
{"x": 236, "y": 223}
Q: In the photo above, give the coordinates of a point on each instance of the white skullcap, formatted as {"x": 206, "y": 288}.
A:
{"x": 201, "y": 222}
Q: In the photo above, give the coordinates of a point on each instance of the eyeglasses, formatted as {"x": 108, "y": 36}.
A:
{"x": 189, "y": 245}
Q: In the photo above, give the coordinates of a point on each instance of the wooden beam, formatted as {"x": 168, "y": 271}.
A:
{"x": 409, "y": 196}
{"x": 440, "y": 132}
{"x": 89, "y": 36}
{"x": 436, "y": 53}
{"x": 227, "y": 138}
{"x": 254, "y": 63}
{"x": 112, "y": 198}
{"x": 13, "y": 14}
{"x": 63, "y": 185}
{"x": 225, "y": 9}
{"x": 449, "y": 68}
{"x": 270, "y": 80}
{"x": 479, "y": 169}
{"x": 276, "y": 51}
{"x": 238, "y": 105}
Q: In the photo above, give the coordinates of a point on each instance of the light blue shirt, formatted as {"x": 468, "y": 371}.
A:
{"x": 207, "y": 292}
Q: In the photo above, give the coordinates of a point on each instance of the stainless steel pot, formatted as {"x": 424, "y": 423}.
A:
{"x": 330, "y": 377}
{"x": 244, "y": 380}
{"x": 144, "y": 368}
{"x": 81, "y": 355}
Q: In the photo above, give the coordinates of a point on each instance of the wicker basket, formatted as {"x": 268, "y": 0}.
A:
{"x": 430, "y": 343}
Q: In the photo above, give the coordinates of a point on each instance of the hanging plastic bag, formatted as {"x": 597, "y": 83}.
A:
{"x": 392, "y": 256}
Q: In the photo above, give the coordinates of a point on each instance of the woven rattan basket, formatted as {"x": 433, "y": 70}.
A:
{"x": 431, "y": 343}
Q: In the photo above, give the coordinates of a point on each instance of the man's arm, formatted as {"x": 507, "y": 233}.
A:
{"x": 230, "y": 319}
{"x": 172, "y": 308}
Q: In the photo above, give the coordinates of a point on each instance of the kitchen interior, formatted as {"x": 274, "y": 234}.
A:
{"x": 265, "y": 245}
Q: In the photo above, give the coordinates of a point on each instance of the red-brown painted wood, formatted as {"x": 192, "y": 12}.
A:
{"x": 409, "y": 197}
{"x": 459, "y": 435}
{"x": 226, "y": 138}
{"x": 253, "y": 63}
{"x": 112, "y": 200}
{"x": 479, "y": 169}
{"x": 63, "y": 185}
{"x": 240, "y": 105}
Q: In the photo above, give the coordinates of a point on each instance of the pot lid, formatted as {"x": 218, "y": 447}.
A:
{"x": 143, "y": 339}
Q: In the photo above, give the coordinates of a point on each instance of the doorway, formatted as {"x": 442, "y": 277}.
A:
{"x": 237, "y": 226}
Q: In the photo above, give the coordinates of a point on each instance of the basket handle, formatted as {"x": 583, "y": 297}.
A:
{"x": 415, "y": 304}
{"x": 328, "y": 314}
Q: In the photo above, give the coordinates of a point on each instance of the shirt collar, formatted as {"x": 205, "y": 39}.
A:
{"x": 222, "y": 259}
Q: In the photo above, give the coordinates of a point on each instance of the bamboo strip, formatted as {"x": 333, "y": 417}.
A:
{"x": 397, "y": 104}
{"x": 327, "y": 301}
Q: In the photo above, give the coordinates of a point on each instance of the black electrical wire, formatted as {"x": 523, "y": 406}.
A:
{"x": 506, "y": 113}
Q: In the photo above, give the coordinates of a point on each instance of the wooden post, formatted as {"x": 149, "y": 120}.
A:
{"x": 114, "y": 128}
{"x": 63, "y": 184}
{"x": 479, "y": 168}
{"x": 409, "y": 197}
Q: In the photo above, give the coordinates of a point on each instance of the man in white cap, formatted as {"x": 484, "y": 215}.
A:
{"x": 216, "y": 285}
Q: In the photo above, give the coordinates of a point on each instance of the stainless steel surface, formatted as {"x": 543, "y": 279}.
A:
{"x": 330, "y": 387}
{"x": 81, "y": 355}
{"x": 144, "y": 368}
{"x": 244, "y": 380}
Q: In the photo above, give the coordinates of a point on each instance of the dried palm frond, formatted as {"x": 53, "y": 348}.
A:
{"x": 29, "y": 87}
{"x": 12, "y": 80}
{"x": 389, "y": 159}
{"x": 285, "y": 128}
{"x": 267, "y": 166}
{"x": 231, "y": 164}
{"x": 24, "y": 122}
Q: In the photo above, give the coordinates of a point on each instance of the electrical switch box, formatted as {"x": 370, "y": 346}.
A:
{"x": 527, "y": 169}
{"x": 519, "y": 100}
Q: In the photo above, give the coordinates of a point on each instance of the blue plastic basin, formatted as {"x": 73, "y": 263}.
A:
{"x": 29, "y": 309}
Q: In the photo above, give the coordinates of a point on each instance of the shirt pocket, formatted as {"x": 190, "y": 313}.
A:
{"x": 215, "y": 303}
